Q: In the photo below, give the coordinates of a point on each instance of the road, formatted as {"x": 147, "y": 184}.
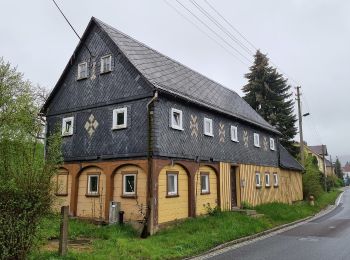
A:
{"x": 327, "y": 237}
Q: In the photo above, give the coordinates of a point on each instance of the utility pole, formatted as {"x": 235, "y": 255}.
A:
{"x": 324, "y": 168}
{"x": 300, "y": 128}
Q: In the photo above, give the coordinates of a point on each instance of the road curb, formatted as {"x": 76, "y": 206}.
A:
{"x": 290, "y": 225}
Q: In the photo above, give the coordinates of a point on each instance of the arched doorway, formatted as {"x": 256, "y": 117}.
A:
{"x": 62, "y": 184}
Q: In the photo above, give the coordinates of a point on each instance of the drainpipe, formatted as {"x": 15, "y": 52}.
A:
{"x": 148, "y": 226}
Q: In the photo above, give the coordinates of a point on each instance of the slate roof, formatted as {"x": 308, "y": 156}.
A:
{"x": 317, "y": 149}
{"x": 168, "y": 75}
{"x": 287, "y": 161}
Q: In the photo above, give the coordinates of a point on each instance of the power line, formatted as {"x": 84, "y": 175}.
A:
{"x": 210, "y": 37}
{"x": 213, "y": 31}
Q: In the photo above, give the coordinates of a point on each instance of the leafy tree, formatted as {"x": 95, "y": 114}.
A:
{"x": 269, "y": 94}
{"x": 25, "y": 177}
{"x": 312, "y": 178}
{"x": 338, "y": 170}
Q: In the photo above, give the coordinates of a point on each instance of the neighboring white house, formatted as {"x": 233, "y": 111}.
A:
{"x": 346, "y": 170}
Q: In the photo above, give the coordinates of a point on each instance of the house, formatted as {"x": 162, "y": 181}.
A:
{"x": 346, "y": 170}
{"x": 320, "y": 152}
{"x": 144, "y": 130}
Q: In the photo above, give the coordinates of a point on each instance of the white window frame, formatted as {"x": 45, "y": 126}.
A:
{"x": 172, "y": 119}
{"x": 64, "y": 122}
{"x": 175, "y": 192}
{"x": 103, "y": 70}
{"x": 208, "y": 132}
{"x": 267, "y": 179}
{"x": 207, "y": 190}
{"x": 258, "y": 184}
{"x": 128, "y": 193}
{"x": 89, "y": 184}
{"x": 117, "y": 111}
{"x": 256, "y": 140}
{"x": 234, "y": 133}
{"x": 275, "y": 179}
{"x": 272, "y": 144}
{"x": 80, "y": 70}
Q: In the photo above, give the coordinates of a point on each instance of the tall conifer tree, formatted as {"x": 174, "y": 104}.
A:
{"x": 269, "y": 94}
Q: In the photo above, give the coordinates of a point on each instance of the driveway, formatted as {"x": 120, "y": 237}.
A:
{"x": 326, "y": 237}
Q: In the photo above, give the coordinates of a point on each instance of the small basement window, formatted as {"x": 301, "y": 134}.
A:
{"x": 267, "y": 179}
{"x": 205, "y": 183}
{"x": 93, "y": 180}
{"x": 234, "y": 133}
{"x": 257, "y": 179}
{"x": 272, "y": 144}
{"x": 67, "y": 126}
{"x": 129, "y": 181}
{"x": 208, "y": 126}
{"x": 106, "y": 63}
{"x": 82, "y": 70}
{"x": 256, "y": 140}
{"x": 172, "y": 184}
{"x": 176, "y": 119}
{"x": 120, "y": 117}
{"x": 275, "y": 179}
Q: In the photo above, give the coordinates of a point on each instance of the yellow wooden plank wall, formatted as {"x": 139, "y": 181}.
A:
{"x": 202, "y": 200}
{"x": 172, "y": 208}
{"x": 129, "y": 205}
{"x": 225, "y": 186}
{"x": 91, "y": 207}
{"x": 60, "y": 201}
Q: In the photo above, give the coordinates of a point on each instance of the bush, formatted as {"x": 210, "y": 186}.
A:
{"x": 311, "y": 179}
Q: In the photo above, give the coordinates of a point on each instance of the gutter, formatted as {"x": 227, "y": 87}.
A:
{"x": 148, "y": 225}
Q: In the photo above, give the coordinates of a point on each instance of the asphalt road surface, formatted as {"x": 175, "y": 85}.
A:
{"x": 327, "y": 237}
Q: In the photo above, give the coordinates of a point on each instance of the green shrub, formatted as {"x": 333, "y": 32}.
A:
{"x": 312, "y": 179}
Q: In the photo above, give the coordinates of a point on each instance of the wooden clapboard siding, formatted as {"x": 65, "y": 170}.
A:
{"x": 172, "y": 208}
{"x": 225, "y": 186}
{"x": 91, "y": 206}
{"x": 202, "y": 200}
{"x": 288, "y": 190}
{"x": 129, "y": 204}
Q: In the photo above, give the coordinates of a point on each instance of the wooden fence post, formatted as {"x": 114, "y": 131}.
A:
{"x": 63, "y": 241}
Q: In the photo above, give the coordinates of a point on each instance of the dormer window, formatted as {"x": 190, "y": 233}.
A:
{"x": 67, "y": 126}
{"x": 256, "y": 140}
{"x": 120, "y": 117}
{"x": 106, "y": 64}
{"x": 208, "y": 126}
{"x": 176, "y": 119}
{"x": 82, "y": 70}
{"x": 272, "y": 144}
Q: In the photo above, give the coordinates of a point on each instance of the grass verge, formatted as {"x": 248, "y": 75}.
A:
{"x": 186, "y": 238}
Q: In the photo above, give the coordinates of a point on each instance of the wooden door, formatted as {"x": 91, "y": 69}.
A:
{"x": 233, "y": 188}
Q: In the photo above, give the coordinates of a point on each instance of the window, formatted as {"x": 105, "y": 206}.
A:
{"x": 272, "y": 144}
{"x": 67, "y": 126}
{"x": 257, "y": 179}
{"x": 62, "y": 183}
{"x": 106, "y": 63}
{"x": 176, "y": 119}
{"x": 205, "y": 183}
{"x": 275, "y": 179}
{"x": 172, "y": 189}
{"x": 234, "y": 133}
{"x": 208, "y": 126}
{"x": 82, "y": 70}
{"x": 120, "y": 117}
{"x": 267, "y": 179}
{"x": 256, "y": 140}
{"x": 129, "y": 184}
{"x": 93, "y": 184}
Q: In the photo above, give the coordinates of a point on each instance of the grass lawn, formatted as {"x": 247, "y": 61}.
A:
{"x": 185, "y": 238}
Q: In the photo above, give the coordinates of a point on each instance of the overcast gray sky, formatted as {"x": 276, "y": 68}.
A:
{"x": 309, "y": 40}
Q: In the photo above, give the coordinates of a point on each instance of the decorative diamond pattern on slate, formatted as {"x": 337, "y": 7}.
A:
{"x": 245, "y": 138}
{"x": 221, "y": 132}
{"x": 91, "y": 125}
{"x": 265, "y": 143}
{"x": 194, "y": 126}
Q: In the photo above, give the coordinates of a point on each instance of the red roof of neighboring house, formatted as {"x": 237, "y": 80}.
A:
{"x": 346, "y": 168}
